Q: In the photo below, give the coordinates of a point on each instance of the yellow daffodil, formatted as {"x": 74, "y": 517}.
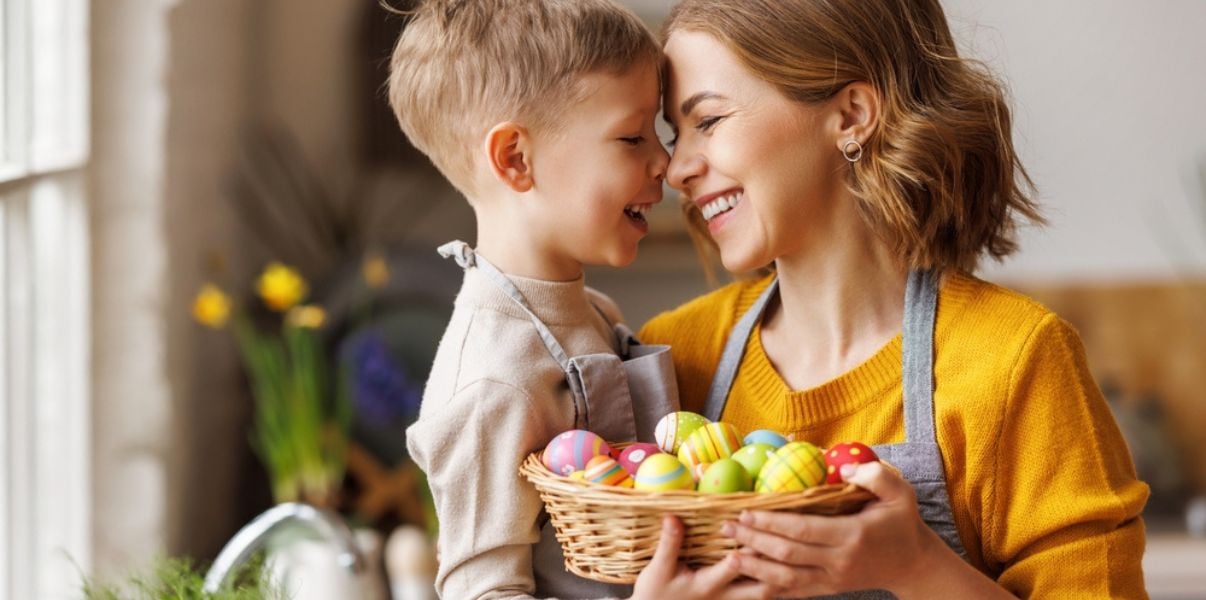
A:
{"x": 375, "y": 271}
{"x": 281, "y": 287}
{"x": 308, "y": 317}
{"x": 212, "y": 307}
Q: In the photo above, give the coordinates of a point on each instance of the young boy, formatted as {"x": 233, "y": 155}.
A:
{"x": 541, "y": 112}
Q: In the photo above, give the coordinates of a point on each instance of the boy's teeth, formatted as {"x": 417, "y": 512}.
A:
{"x": 721, "y": 205}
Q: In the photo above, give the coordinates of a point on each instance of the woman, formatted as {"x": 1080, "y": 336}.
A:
{"x": 846, "y": 144}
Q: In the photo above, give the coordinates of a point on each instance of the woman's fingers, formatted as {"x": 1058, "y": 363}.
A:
{"x": 775, "y": 546}
{"x": 809, "y": 529}
{"x": 795, "y": 579}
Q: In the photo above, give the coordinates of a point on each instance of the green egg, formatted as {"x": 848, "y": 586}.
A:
{"x": 753, "y": 457}
{"x": 724, "y": 476}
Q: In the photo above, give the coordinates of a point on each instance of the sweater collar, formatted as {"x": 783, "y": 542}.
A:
{"x": 554, "y": 302}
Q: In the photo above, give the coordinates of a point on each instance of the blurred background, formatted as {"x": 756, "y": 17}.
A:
{"x": 148, "y": 147}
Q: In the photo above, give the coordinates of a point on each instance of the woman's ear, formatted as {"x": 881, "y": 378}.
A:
{"x": 858, "y": 104}
{"x": 508, "y": 154}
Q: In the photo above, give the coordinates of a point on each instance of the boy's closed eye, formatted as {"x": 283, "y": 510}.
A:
{"x": 633, "y": 141}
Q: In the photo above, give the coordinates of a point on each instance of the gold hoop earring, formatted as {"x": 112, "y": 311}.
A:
{"x": 852, "y": 155}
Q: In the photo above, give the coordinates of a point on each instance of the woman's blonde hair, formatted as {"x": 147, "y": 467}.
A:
{"x": 939, "y": 180}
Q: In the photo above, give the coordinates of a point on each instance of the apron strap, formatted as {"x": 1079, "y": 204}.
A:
{"x": 734, "y": 350}
{"x": 921, "y": 304}
{"x": 467, "y": 258}
{"x": 921, "y": 307}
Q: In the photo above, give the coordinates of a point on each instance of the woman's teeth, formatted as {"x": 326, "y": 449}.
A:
{"x": 722, "y": 205}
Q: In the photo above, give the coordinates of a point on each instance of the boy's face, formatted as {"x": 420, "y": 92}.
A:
{"x": 601, "y": 171}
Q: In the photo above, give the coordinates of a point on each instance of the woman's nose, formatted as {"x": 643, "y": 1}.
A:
{"x": 684, "y": 166}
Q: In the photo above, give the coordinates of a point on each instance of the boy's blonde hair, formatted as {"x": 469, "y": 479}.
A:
{"x": 940, "y": 181}
{"x": 462, "y": 66}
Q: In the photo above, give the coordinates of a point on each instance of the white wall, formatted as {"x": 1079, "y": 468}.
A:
{"x": 1109, "y": 102}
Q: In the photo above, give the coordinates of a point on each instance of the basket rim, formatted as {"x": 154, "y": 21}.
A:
{"x": 546, "y": 481}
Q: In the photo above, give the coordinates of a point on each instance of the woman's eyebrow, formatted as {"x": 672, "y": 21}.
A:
{"x": 690, "y": 103}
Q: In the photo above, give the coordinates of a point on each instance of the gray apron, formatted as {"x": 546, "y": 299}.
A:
{"x": 918, "y": 458}
{"x": 619, "y": 397}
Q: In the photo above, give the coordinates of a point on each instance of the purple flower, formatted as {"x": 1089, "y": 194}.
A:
{"x": 381, "y": 388}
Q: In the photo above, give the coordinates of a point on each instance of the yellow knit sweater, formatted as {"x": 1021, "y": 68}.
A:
{"x": 1042, "y": 487}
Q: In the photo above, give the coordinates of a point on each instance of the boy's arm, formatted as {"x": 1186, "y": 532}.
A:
{"x": 1064, "y": 498}
{"x": 471, "y": 449}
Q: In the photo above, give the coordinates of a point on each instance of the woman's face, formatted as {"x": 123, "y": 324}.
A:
{"x": 765, "y": 170}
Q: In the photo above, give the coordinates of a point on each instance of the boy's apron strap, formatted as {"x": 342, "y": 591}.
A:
{"x": 467, "y": 258}
{"x": 734, "y": 350}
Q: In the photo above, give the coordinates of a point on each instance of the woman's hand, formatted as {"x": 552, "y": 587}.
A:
{"x": 885, "y": 546}
{"x": 664, "y": 577}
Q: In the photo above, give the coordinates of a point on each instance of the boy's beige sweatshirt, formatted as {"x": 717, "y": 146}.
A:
{"x": 494, "y": 395}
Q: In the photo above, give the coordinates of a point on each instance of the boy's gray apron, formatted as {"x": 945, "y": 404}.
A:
{"x": 918, "y": 458}
{"x": 620, "y": 398}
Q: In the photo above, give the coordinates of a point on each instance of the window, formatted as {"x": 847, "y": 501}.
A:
{"x": 44, "y": 283}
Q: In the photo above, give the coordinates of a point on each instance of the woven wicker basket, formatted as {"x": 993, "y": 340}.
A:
{"x": 608, "y": 533}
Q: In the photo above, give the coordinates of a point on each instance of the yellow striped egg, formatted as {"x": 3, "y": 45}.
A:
{"x": 795, "y": 467}
{"x": 675, "y": 427}
{"x": 663, "y": 473}
{"x": 605, "y": 470}
{"x": 710, "y": 443}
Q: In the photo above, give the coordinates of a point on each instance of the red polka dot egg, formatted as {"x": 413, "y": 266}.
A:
{"x": 851, "y": 453}
{"x": 572, "y": 450}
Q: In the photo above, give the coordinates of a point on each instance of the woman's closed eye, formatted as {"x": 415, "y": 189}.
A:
{"x": 633, "y": 141}
{"x": 704, "y": 125}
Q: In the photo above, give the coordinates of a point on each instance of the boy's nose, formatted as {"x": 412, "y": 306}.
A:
{"x": 661, "y": 160}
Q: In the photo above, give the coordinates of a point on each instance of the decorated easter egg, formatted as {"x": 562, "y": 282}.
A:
{"x": 846, "y": 454}
{"x": 709, "y": 443}
{"x": 579, "y": 475}
{"x": 661, "y": 473}
{"x": 753, "y": 456}
{"x": 675, "y": 427}
{"x": 792, "y": 468}
{"x": 605, "y": 470}
{"x": 697, "y": 471}
{"x": 571, "y": 450}
{"x": 632, "y": 456}
{"x": 724, "y": 476}
{"x": 765, "y": 436}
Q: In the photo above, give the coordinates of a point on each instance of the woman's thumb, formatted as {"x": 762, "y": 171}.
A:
{"x": 886, "y": 483}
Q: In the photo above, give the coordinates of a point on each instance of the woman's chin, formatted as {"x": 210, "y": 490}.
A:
{"x": 736, "y": 261}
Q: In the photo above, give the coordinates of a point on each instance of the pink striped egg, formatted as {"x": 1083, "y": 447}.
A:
{"x": 571, "y": 450}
